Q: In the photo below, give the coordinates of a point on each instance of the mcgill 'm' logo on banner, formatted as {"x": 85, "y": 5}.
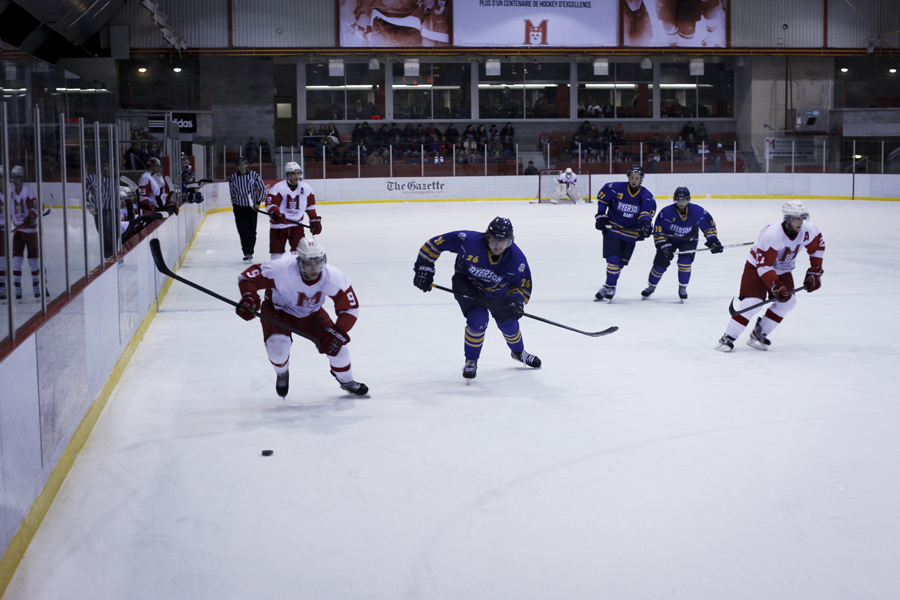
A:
{"x": 536, "y": 35}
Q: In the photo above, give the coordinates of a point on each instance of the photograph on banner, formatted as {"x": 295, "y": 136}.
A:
{"x": 535, "y": 23}
{"x": 680, "y": 23}
{"x": 394, "y": 23}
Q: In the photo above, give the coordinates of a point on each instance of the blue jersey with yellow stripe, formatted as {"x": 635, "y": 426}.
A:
{"x": 673, "y": 226}
{"x": 627, "y": 211}
{"x": 495, "y": 278}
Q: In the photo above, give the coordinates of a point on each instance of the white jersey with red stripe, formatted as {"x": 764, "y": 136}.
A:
{"x": 149, "y": 188}
{"x": 23, "y": 205}
{"x": 775, "y": 252}
{"x": 291, "y": 202}
{"x": 567, "y": 177}
{"x": 292, "y": 294}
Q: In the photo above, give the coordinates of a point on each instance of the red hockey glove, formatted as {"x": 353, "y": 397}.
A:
{"x": 277, "y": 216}
{"x": 781, "y": 293}
{"x": 332, "y": 341}
{"x": 813, "y": 279}
{"x": 315, "y": 225}
{"x": 248, "y": 305}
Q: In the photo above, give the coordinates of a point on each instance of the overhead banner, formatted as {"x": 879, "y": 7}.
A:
{"x": 535, "y": 23}
{"x": 679, "y": 23}
{"x": 394, "y": 23}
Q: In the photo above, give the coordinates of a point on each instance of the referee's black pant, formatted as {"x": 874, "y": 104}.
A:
{"x": 245, "y": 219}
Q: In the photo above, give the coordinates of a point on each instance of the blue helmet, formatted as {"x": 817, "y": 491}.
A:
{"x": 635, "y": 169}
{"x": 501, "y": 229}
{"x": 681, "y": 193}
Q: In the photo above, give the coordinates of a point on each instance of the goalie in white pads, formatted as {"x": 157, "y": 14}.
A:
{"x": 566, "y": 185}
{"x": 769, "y": 272}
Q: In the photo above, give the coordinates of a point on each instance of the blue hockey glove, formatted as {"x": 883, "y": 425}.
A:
{"x": 714, "y": 245}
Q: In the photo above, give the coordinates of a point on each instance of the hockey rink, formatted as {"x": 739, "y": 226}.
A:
{"x": 643, "y": 464}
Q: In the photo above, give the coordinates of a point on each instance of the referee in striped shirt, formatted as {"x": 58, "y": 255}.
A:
{"x": 247, "y": 191}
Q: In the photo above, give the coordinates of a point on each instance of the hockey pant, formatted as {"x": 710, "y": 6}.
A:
{"x": 753, "y": 291}
{"x": 684, "y": 261}
{"x": 278, "y": 341}
{"x": 279, "y": 237}
{"x": 617, "y": 254}
{"x": 478, "y": 314}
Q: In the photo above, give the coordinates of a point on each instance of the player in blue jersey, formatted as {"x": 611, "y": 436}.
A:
{"x": 625, "y": 216}
{"x": 676, "y": 231}
{"x": 491, "y": 279}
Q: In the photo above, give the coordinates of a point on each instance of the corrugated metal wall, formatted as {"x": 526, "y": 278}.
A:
{"x": 760, "y": 24}
{"x": 284, "y": 24}
{"x": 202, "y": 23}
{"x": 851, "y": 23}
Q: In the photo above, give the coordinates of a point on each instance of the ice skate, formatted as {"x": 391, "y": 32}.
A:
{"x": 353, "y": 387}
{"x": 726, "y": 343}
{"x": 248, "y": 258}
{"x": 529, "y": 360}
{"x": 758, "y": 339}
{"x": 18, "y": 291}
{"x": 605, "y": 293}
{"x": 682, "y": 293}
{"x": 469, "y": 369}
{"x": 648, "y": 292}
{"x": 3, "y": 292}
{"x": 281, "y": 383}
{"x": 36, "y": 290}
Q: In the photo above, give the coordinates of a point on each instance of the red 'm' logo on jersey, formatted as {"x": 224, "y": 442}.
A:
{"x": 309, "y": 302}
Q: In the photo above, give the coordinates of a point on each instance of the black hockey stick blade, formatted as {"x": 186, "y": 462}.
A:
{"x": 259, "y": 210}
{"x": 606, "y": 331}
{"x": 725, "y": 246}
{"x": 734, "y": 313}
{"x": 156, "y": 253}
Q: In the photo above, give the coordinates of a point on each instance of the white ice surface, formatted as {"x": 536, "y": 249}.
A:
{"x": 640, "y": 465}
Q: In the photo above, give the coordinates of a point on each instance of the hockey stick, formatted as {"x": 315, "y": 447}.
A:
{"x": 129, "y": 182}
{"x": 734, "y": 313}
{"x": 259, "y": 210}
{"x": 156, "y": 252}
{"x": 606, "y": 331}
{"x": 723, "y": 247}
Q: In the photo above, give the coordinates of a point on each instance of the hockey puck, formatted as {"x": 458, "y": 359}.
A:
{"x": 267, "y": 453}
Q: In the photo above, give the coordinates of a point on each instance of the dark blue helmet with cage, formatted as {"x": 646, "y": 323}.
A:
{"x": 501, "y": 230}
{"x": 681, "y": 193}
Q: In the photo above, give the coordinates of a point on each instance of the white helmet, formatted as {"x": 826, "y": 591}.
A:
{"x": 794, "y": 208}
{"x": 292, "y": 167}
{"x": 569, "y": 171}
{"x": 311, "y": 257}
{"x": 17, "y": 171}
{"x": 154, "y": 165}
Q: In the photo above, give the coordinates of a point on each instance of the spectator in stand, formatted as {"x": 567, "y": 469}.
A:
{"x": 133, "y": 160}
{"x": 356, "y": 136}
{"x": 593, "y": 137}
{"x": 375, "y": 158}
{"x": 607, "y": 110}
{"x": 507, "y": 106}
{"x": 481, "y": 135}
{"x": 531, "y": 169}
{"x": 451, "y": 135}
{"x": 687, "y": 130}
{"x": 368, "y": 133}
{"x": 702, "y": 134}
{"x": 309, "y": 136}
{"x": 592, "y": 110}
{"x": 493, "y": 133}
{"x": 508, "y": 130}
{"x": 469, "y": 130}
{"x": 444, "y": 147}
{"x": 653, "y": 163}
{"x": 656, "y": 143}
{"x": 265, "y": 152}
{"x": 619, "y": 134}
{"x": 509, "y": 148}
{"x": 716, "y": 157}
{"x": 539, "y": 110}
{"x": 583, "y": 130}
{"x": 432, "y": 130}
{"x": 679, "y": 148}
{"x": 382, "y": 136}
{"x": 251, "y": 150}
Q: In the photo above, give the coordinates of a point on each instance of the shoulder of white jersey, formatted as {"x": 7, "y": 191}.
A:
{"x": 335, "y": 276}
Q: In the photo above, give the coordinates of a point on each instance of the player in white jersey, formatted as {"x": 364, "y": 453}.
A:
{"x": 296, "y": 287}
{"x": 566, "y": 186}
{"x": 769, "y": 271}
{"x": 148, "y": 185}
{"x": 24, "y": 210}
{"x": 286, "y": 201}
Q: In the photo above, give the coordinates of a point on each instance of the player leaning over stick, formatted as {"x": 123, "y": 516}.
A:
{"x": 491, "y": 279}
{"x": 769, "y": 271}
{"x": 677, "y": 226}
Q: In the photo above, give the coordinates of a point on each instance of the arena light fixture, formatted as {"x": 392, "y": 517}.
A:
{"x": 411, "y": 67}
{"x": 492, "y": 67}
{"x": 374, "y": 65}
{"x": 646, "y": 63}
{"x": 696, "y": 66}
{"x": 336, "y": 67}
{"x": 601, "y": 66}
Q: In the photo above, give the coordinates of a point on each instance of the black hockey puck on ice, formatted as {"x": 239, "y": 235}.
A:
{"x": 267, "y": 453}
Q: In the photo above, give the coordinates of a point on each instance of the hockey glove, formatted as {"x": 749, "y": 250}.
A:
{"x": 646, "y": 229}
{"x": 332, "y": 341}
{"x": 714, "y": 245}
{"x": 277, "y": 216}
{"x": 30, "y": 222}
{"x": 513, "y": 307}
{"x": 667, "y": 250}
{"x": 315, "y": 225}
{"x": 424, "y": 276}
{"x": 813, "y": 279}
{"x": 248, "y": 305}
{"x": 781, "y": 293}
{"x": 602, "y": 222}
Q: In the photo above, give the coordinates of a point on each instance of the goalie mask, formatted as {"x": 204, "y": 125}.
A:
{"x": 311, "y": 257}
{"x": 569, "y": 171}
{"x": 154, "y": 166}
